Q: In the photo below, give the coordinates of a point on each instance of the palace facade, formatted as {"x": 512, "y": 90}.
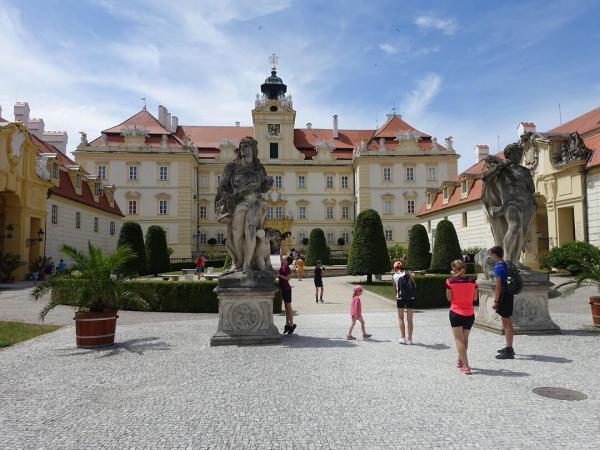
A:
{"x": 565, "y": 164}
{"x": 167, "y": 174}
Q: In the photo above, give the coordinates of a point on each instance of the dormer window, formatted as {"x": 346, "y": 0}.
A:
{"x": 446, "y": 192}
{"x": 78, "y": 181}
{"x": 55, "y": 171}
{"x": 464, "y": 186}
{"x": 97, "y": 189}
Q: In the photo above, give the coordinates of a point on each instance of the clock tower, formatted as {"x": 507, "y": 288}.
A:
{"x": 274, "y": 117}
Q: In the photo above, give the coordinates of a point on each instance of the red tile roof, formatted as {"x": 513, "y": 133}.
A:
{"x": 205, "y": 137}
{"x": 65, "y": 188}
{"x": 307, "y": 138}
{"x": 593, "y": 143}
{"x": 141, "y": 119}
{"x": 582, "y": 124}
{"x": 475, "y": 188}
{"x": 394, "y": 125}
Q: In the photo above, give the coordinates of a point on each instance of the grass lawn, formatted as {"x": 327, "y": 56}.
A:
{"x": 383, "y": 288}
{"x": 13, "y": 332}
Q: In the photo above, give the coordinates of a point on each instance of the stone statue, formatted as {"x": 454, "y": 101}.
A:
{"x": 573, "y": 150}
{"x": 164, "y": 141}
{"x": 84, "y": 140}
{"x": 449, "y": 143}
{"x": 508, "y": 200}
{"x": 240, "y": 205}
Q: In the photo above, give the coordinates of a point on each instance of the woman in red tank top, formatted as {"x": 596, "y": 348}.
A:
{"x": 461, "y": 292}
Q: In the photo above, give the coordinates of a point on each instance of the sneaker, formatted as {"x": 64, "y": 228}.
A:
{"x": 321, "y": 300}
{"x": 506, "y": 355}
{"x": 366, "y": 337}
{"x": 292, "y": 328}
{"x": 350, "y": 338}
{"x": 409, "y": 342}
{"x": 459, "y": 364}
{"x": 466, "y": 370}
{"x": 401, "y": 341}
{"x": 286, "y": 329}
{"x": 508, "y": 350}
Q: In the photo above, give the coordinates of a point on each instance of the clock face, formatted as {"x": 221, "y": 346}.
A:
{"x": 273, "y": 129}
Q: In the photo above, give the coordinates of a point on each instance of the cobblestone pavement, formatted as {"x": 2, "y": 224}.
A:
{"x": 162, "y": 386}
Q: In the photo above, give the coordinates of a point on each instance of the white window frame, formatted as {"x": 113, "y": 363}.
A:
{"x": 78, "y": 181}
{"x": 302, "y": 212}
{"x": 220, "y": 238}
{"x": 54, "y": 214}
{"x": 345, "y": 212}
{"x": 96, "y": 224}
{"x": 269, "y": 212}
{"x": 389, "y": 235}
{"x": 277, "y": 181}
{"x": 113, "y": 228}
{"x": 410, "y": 173}
{"x": 98, "y": 189}
{"x": 132, "y": 206}
{"x": 279, "y": 212}
{"x": 163, "y": 173}
{"x": 344, "y": 182}
{"x": 55, "y": 171}
{"x": 204, "y": 181}
{"x": 203, "y": 211}
{"x": 329, "y": 181}
{"x": 410, "y": 206}
{"x": 163, "y": 207}
{"x": 102, "y": 172}
{"x": 202, "y": 238}
{"x": 301, "y": 181}
{"x": 329, "y": 212}
{"x": 330, "y": 238}
{"x": 77, "y": 219}
{"x": 133, "y": 173}
{"x": 388, "y": 207}
{"x": 431, "y": 170}
{"x": 346, "y": 237}
{"x": 387, "y": 174}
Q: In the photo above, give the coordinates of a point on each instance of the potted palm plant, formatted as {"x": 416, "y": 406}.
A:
{"x": 97, "y": 288}
{"x": 9, "y": 262}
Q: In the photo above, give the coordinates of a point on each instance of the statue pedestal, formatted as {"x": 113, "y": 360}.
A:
{"x": 245, "y": 312}
{"x": 530, "y": 314}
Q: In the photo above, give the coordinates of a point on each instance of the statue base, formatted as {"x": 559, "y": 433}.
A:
{"x": 530, "y": 314}
{"x": 245, "y": 313}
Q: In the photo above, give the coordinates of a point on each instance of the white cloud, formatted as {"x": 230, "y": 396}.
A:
{"x": 448, "y": 25}
{"x": 388, "y": 48}
{"x": 417, "y": 100}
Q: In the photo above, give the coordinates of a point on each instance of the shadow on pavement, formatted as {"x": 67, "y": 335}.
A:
{"x": 545, "y": 358}
{"x": 581, "y": 332}
{"x": 138, "y": 346}
{"x": 431, "y": 346}
{"x": 298, "y": 341}
{"x": 498, "y": 373}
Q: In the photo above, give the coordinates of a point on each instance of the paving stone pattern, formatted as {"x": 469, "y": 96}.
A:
{"x": 162, "y": 386}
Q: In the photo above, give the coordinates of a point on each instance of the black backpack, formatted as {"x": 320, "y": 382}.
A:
{"x": 514, "y": 281}
{"x": 407, "y": 289}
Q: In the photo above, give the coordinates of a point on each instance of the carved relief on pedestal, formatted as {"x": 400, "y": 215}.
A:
{"x": 244, "y": 316}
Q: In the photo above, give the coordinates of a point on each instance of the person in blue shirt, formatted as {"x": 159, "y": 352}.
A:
{"x": 61, "y": 267}
{"x": 503, "y": 302}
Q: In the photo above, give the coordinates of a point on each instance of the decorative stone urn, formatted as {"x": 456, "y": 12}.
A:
{"x": 530, "y": 313}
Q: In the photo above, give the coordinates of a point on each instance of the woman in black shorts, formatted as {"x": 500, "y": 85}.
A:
{"x": 461, "y": 292}
{"x": 318, "y": 281}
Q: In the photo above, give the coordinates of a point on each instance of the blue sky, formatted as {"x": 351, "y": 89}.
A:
{"x": 470, "y": 69}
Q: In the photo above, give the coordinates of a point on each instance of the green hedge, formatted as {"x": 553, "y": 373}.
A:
{"x": 337, "y": 261}
{"x": 176, "y": 296}
{"x": 431, "y": 291}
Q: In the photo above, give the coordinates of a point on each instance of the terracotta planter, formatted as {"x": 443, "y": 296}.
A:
{"x": 95, "y": 329}
{"x": 595, "y": 304}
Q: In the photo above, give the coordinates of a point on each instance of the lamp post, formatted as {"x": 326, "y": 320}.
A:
{"x": 9, "y": 232}
{"x": 40, "y": 238}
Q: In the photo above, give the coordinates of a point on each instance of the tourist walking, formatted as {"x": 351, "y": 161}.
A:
{"x": 356, "y": 314}
{"x": 200, "y": 263}
{"x": 406, "y": 290}
{"x": 318, "y": 278}
{"x": 285, "y": 274}
{"x": 299, "y": 265}
{"x": 61, "y": 267}
{"x": 503, "y": 302}
{"x": 461, "y": 292}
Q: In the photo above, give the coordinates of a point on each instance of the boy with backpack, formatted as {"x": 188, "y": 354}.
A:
{"x": 406, "y": 290}
{"x": 508, "y": 284}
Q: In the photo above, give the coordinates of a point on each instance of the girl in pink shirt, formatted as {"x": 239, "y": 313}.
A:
{"x": 356, "y": 314}
{"x": 461, "y": 292}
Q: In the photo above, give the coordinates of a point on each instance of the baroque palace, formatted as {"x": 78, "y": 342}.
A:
{"x": 565, "y": 164}
{"x": 167, "y": 174}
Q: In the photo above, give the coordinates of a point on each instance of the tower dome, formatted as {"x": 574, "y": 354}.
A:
{"x": 273, "y": 87}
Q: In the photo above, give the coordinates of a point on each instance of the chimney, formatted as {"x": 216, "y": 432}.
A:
{"x": 482, "y": 151}
{"x": 174, "y": 124}
{"x": 525, "y": 127}
{"x": 36, "y": 127}
{"x": 237, "y": 124}
{"x": 162, "y": 114}
{"x": 308, "y": 125}
{"x": 22, "y": 112}
{"x": 335, "y": 127}
{"x": 167, "y": 123}
{"x": 57, "y": 138}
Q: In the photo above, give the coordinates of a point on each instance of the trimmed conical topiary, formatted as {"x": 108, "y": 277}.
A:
{"x": 317, "y": 248}
{"x": 368, "y": 254}
{"x": 419, "y": 251}
{"x": 157, "y": 253}
{"x": 446, "y": 247}
{"x": 131, "y": 235}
